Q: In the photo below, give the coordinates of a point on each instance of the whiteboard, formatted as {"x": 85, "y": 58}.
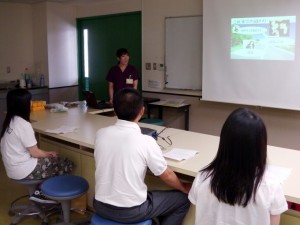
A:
{"x": 183, "y": 52}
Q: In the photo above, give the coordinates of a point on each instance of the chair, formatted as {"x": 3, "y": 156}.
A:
{"x": 31, "y": 209}
{"x": 98, "y": 220}
{"x": 64, "y": 189}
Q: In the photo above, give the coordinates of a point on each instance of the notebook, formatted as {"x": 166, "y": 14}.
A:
{"x": 92, "y": 101}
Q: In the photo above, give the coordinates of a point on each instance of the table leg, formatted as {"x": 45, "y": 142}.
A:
{"x": 187, "y": 118}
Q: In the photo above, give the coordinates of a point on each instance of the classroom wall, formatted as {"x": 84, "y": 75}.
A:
{"x": 154, "y": 13}
{"x": 40, "y": 47}
{"x": 108, "y": 7}
{"x": 41, "y": 37}
{"x": 62, "y": 45}
{"x": 16, "y": 40}
{"x": 17, "y": 50}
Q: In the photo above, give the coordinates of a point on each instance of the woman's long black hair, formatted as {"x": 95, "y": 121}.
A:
{"x": 18, "y": 104}
{"x": 239, "y": 165}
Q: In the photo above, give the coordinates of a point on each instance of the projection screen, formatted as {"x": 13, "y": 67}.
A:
{"x": 251, "y": 52}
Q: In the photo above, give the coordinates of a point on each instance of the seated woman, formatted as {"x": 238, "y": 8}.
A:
{"x": 20, "y": 154}
{"x": 233, "y": 188}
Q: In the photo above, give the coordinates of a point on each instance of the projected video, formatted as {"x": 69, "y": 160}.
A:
{"x": 263, "y": 38}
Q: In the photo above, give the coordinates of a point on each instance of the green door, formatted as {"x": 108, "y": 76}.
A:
{"x": 105, "y": 35}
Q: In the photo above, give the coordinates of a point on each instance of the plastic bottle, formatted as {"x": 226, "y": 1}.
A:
{"x": 22, "y": 82}
{"x": 29, "y": 83}
{"x": 27, "y": 78}
{"x": 26, "y": 74}
{"x": 42, "y": 80}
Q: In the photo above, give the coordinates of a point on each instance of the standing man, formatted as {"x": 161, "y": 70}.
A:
{"x": 121, "y": 75}
{"x": 122, "y": 155}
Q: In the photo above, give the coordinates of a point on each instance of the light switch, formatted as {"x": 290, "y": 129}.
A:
{"x": 154, "y": 66}
{"x": 148, "y": 66}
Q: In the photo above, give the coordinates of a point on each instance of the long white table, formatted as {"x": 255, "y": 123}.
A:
{"x": 88, "y": 122}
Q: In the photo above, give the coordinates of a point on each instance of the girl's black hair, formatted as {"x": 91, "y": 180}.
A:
{"x": 18, "y": 104}
{"x": 239, "y": 165}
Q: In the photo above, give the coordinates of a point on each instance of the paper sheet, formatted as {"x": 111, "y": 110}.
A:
{"x": 180, "y": 154}
{"x": 62, "y": 130}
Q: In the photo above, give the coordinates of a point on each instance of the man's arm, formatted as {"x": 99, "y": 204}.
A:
{"x": 135, "y": 84}
{"x": 111, "y": 91}
{"x": 170, "y": 178}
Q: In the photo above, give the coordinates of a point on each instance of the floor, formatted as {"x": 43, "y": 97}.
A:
{"x": 9, "y": 191}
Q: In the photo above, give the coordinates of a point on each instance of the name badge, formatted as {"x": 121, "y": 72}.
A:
{"x": 129, "y": 81}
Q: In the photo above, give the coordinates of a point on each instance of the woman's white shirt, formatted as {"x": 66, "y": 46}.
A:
{"x": 16, "y": 158}
{"x": 270, "y": 200}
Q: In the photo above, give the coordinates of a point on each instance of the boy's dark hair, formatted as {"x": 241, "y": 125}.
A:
{"x": 128, "y": 102}
{"x": 122, "y": 51}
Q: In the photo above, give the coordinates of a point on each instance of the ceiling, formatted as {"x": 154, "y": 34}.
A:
{"x": 58, "y": 1}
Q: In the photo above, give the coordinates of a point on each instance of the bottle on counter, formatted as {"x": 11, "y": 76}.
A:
{"x": 22, "y": 82}
{"x": 27, "y": 78}
{"x": 42, "y": 80}
{"x": 29, "y": 83}
{"x": 26, "y": 74}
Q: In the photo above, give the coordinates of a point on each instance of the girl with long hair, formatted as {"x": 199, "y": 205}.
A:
{"x": 233, "y": 188}
{"x": 21, "y": 156}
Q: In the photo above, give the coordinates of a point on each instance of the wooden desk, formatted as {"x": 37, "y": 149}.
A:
{"x": 180, "y": 107}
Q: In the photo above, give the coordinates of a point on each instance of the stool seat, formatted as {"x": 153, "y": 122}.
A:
{"x": 98, "y": 220}
{"x": 28, "y": 181}
{"x": 64, "y": 187}
{"x": 153, "y": 121}
{"x": 31, "y": 183}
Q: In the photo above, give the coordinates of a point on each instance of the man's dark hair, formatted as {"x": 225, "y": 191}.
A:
{"x": 122, "y": 51}
{"x": 128, "y": 102}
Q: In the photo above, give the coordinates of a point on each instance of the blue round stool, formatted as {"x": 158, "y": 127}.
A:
{"x": 153, "y": 121}
{"x": 98, "y": 220}
{"x": 63, "y": 189}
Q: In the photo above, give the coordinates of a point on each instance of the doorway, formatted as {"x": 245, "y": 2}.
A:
{"x": 98, "y": 40}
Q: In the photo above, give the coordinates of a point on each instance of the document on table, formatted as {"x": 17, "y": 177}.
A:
{"x": 179, "y": 154}
{"x": 62, "y": 130}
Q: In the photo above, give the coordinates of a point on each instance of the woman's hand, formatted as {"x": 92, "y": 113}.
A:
{"x": 38, "y": 153}
{"x": 52, "y": 154}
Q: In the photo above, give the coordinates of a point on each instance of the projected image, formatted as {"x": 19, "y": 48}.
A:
{"x": 263, "y": 38}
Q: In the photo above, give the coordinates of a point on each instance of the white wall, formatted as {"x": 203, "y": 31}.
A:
{"x": 16, "y": 40}
{"x": 154, "y": 13}
{"x": 40, "y": 46}
{"x": 41, "y": 37}
{"x": 109, "y": 7}
{"x": 62, "y": 45}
